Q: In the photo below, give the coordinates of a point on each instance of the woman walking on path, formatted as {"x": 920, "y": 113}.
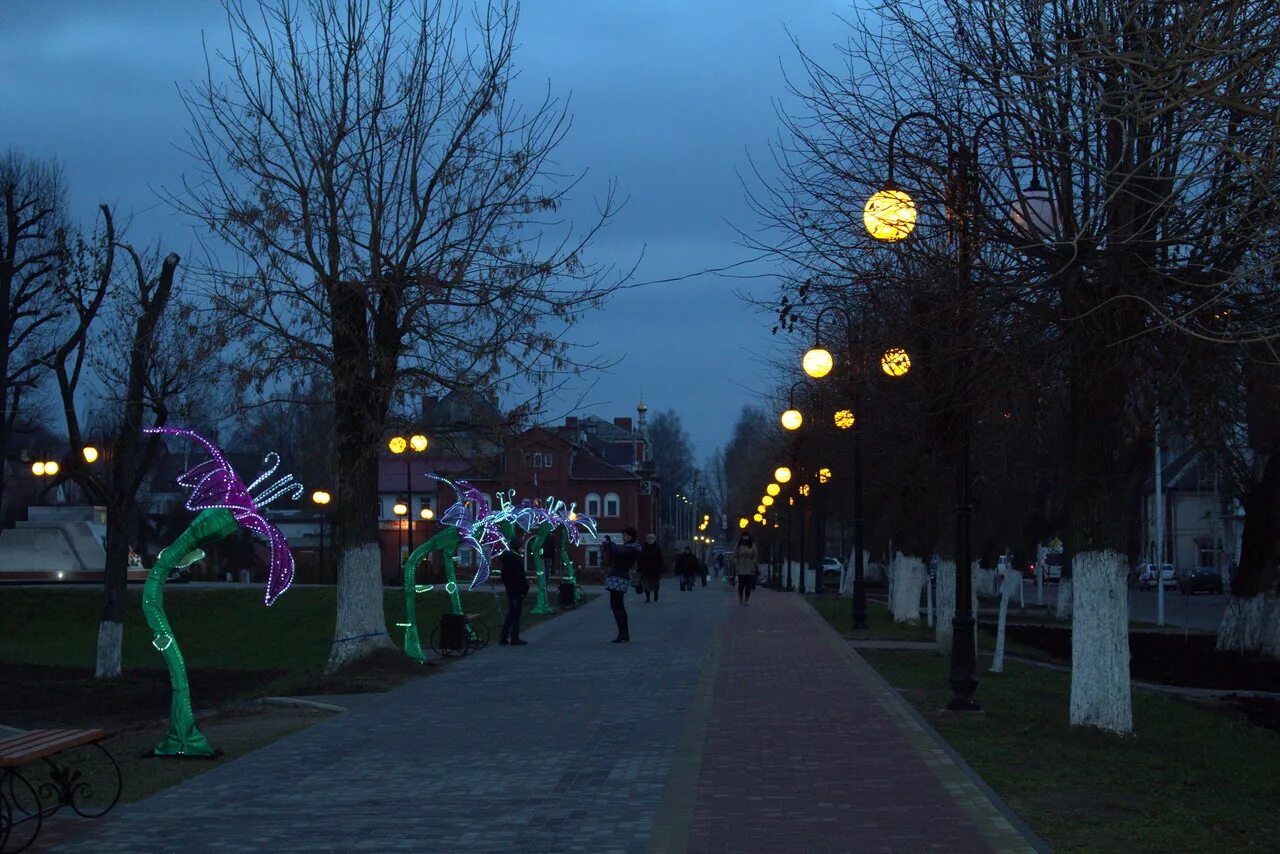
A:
{"x": 651, "y": 565}
{"x": 517, "y": 587}
{"x": 746, "y": 564}
{"x": 620, "y": 560}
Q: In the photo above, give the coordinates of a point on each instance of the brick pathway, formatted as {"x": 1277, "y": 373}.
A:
{"x": 719, "y": 728}
{"x": 807, "y": 749}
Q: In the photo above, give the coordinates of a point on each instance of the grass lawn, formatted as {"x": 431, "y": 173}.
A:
{"x": 224, "y": 629}
{"x": 880, "y": 625}
{"x": 236, "y": 651}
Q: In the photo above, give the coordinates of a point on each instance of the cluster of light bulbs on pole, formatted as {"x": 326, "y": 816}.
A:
{"x": 781, "y": 475}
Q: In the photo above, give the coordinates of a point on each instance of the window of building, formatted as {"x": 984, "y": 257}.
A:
{"x": 593, "y": 557}
{"x": 593, "y": 504}
{"x": 612, "y": 505}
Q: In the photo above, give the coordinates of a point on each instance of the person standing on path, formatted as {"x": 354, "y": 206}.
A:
{"x": 517, "y": 587}
{"x": 746, "y": 562}
{"x": 620, "y": 560}
{"x": 651, "y": 565}
{"x": 686, "y": 568}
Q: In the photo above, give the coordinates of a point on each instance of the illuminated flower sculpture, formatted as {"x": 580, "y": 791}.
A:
{"x": 224, "y": 504}
{"x": 574, "y": 526}
{"x": 469, "y": 520}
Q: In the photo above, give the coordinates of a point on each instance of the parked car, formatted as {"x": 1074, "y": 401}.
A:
{"x": 1205, "y": 578}
{"x": 832, "y": 571}
{"x": 1147, "y": 576}
{"x": 1052, "y": 566}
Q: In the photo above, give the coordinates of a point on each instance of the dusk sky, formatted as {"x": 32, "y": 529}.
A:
{"x": 667, "y": 98}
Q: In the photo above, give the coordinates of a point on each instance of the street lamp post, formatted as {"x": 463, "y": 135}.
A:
{"x": 890, "y": 216}
{"x": 321, "y": 499}
{"x": 398, "y": 445}
{"x": 401, "y": 510}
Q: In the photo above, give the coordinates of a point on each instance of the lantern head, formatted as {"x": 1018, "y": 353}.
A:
{"x": 782, "y": 474}
{"x": 418, "y": 442}
{"x": 844, "y": 419}
{"x": 817, "y": 362}
{"x": 773, "y": 489}
{"x": 397, "y": 444}
{"x": 889, "y": 215}
{"x": 895, "y": 362}
{"x": 792, "y": 419}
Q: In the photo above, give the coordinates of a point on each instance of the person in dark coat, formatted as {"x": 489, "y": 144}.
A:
{"x": 517, "y": 587}
{"x": 686, "y": 568}
{"x": 651, "y": 565}
{"x": 620, "y": 560}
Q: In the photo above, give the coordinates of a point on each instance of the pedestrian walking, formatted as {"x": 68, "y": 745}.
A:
{"x": 686, "y": 568}
{"x": 651, "y": 565}
{"x": 704, "y": 571}
{"x": 620, "y": 559}
{"x": 746, "y": 564}
{"x": 517, "y": 587}
{"x": 719, "y": 565}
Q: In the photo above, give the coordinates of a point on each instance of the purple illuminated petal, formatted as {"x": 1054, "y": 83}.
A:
{"x": 280, "y": 566}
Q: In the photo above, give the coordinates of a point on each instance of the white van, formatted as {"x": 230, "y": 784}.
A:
{"x": 1049, "y": 562}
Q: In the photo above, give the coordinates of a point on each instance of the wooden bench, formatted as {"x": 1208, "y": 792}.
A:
{"x": 23, "y": 800}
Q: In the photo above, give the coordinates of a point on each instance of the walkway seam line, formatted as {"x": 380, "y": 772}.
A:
{"x": 674, "y": 818}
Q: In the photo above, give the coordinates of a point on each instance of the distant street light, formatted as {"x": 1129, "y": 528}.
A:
{"x": 782, "y": 474}
{"x": 895, "y": 362}
{"x": 792, "y": 419}
{"x": 773, "y": 488}
{"x": 418, "y": 443}
{"x": 90, "y": 453}
{"x": 321, "y": 499}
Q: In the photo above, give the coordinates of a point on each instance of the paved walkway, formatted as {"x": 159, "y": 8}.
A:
{"x": 719, "y": 728}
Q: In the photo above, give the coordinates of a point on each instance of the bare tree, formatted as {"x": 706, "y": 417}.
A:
{"x": 1153, "y": 126}
{"x": 394, "y": 207}
{"x": 139, "y": 349}
{"x": 33, "y": 250}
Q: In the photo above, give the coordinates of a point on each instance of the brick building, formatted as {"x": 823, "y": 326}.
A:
{"x": 602, "y": 467}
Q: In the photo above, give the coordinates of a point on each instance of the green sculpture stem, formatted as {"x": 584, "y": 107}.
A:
{"x": 183, "y": 737}
{"x": 535, "y": 549}
{"x": 568, "y": 569}
{"x": 446, "y": 542}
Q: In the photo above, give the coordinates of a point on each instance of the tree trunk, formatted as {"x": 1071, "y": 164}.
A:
{"x": 1102, "y": 463}
{"x": 908, "y": 580}
{"x": 1100, "y": 692}
{"x": 946, "y": 612}
{"x": 360, "y": 626}
{"x": 111, "y": 628}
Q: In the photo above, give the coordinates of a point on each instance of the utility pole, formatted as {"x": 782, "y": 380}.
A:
{"x": 1159, "y": 524}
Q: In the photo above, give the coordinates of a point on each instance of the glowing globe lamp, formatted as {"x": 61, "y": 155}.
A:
{"x": 895, "y": 362}
{"x": 758, "y": 517}
{"x": 418, "y": 442}
{"x": 397, "y": 444}
{"x": 782, "y": 474}
{"x": 889, "y": 215}
{"x": 320, "y": 497}
{"x": 90, "y": 453}
{"x": 51, "y": 468}
{"x": 773, "y": 489}
{"x": 792, "y": 419}
{"x": 824, "y": 475}
{"x": 817, "y": 362}
{"x": 844, "y": 419}
{"x": 767, "y": 501}
{"x": 37, "y": 468}
{"x": 742, "y": 523}
{"x": 399, "y": 508}
{"x": 760, "y": 508}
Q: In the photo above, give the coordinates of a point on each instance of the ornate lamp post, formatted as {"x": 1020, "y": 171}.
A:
{"x": 890, "y": 216}
{"x": 399, "y": 445}
{"x": 320, "y": 498}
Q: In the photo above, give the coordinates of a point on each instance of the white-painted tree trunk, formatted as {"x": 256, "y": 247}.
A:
{"x": 909, "y": 577}
{"x": 986, "y": 583}
{"x": 1065, "y": 592}
{"x": 1012, "y": 584}
{"x": 110, "y": 640}
{"x": 943, "y": 630}
{"x": 1244, "y": 623}
{"x": 361, "y": 624}
{"x": 1100, "y": 690}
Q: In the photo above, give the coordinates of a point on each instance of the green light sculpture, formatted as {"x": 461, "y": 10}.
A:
{"x": 539, "y": 537}
{"x": 225, "y": 505}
